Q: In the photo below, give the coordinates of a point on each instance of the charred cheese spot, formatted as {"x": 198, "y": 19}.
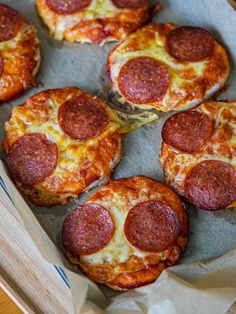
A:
{"x": 190, "y": 83}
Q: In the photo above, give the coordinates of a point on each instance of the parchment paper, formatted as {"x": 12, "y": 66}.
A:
{"x": 188, "y": 288}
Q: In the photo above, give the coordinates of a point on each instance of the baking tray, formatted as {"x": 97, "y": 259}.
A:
{"x": 71, "y": 64}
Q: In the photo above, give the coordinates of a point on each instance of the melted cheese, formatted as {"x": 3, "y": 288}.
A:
{"x": 12, "y": 43}
{"x": 119, "y": 250}
{"x": 96, "y": 10}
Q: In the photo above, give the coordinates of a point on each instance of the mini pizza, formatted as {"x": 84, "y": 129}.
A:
{"x": 198, "y": 154}
{"x": 60, "y": 143}
{"x": 19, "y": 54}
{"x": 167, "y": 67}
{"x": 127, "y": 232}
{"x": 93, "y": 21}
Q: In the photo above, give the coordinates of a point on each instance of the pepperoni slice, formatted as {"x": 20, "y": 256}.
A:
{"x": 211, "y": 185}
{"x": 10, "y": 22}
{"x": 32, "y": 158}
{"x": 187, "y": 131}
{"x": 151, "y": 226}
{"x": 143, "y": 80}
{"x": 87, "y": 229}
{"x": 67, "y": 6}
{"x": 82, "y": 117}
{"x": 190, "y": 44}
{"x": 131, "y": 4}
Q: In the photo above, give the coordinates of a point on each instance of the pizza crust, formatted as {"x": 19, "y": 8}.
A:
{"x": 81, "y": 164}
{"x": 220, "y": 146}
{"x": 100, "y": 22}
{"x": 119, "y": 264}
{"x": 190, "y": 83}
{"x": 23, "y": 52}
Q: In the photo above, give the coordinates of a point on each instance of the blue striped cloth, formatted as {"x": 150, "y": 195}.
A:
{"x": 59, "y": 269}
